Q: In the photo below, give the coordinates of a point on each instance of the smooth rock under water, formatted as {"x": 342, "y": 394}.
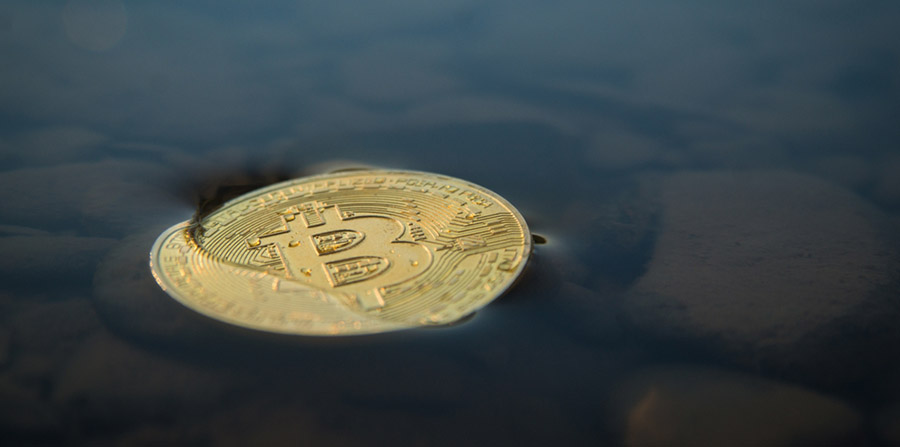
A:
{"x": 25, "y": 419}
{"x": 108, "y": 198}
{"x": 697, "y": 406}
{"x": 110, "y": 383}
{"x": 65, "y": 260}
{"x": 43, "y": 335}
{"x": 130, "y": 301}
{"x": 54, "y": 326}
{"x": 888, "y": 422}
{"x": 775, "y": 271}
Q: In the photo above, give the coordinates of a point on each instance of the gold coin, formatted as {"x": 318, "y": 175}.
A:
{"x": 347, "y": 253}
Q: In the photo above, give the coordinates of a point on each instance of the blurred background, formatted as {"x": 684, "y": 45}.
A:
{"x": 718, "y": 184}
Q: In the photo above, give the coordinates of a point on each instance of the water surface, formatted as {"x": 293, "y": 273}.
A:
{"x": 717, "y": 183}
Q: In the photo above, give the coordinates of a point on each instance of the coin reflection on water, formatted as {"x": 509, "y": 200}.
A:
{"x": 347, "y": 253}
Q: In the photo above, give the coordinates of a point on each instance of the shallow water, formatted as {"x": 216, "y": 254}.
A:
{"x": 717, "y": 184}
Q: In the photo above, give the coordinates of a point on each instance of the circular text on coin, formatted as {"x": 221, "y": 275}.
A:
{"x": 347, "y": 253}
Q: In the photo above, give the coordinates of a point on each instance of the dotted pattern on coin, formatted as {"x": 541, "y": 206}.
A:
{"x": 348, "y": 253}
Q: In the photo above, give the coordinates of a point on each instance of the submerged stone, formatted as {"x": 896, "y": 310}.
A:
{"x": 775, "y": 271}
{"x": 54, "y": 326}
{"x": 61, "y": 259}
{"x": 131, "y": 303}
{"x": 24, "y": 417}
{"x": 261, "y": 422}
{"x": 888, "y": 423}
{"x": 105, "y": 198}
{"x": 109, "y": 383}
{"x": 43, "y": 335}
{"x": 687, "y": 406}
{"x": 5, "y": 344}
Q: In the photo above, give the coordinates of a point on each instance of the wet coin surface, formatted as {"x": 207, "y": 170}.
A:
{"x": 346, "y": 253}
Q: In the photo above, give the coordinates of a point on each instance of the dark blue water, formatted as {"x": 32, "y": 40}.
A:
{"x": 718, "y": 185}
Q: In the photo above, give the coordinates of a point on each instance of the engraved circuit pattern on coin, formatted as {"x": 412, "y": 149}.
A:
{"x": 248, "y": 297}
{"x": 346, "y": 253}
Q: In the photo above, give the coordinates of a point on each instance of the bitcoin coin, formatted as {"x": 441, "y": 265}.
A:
{"x": 347, "y": 253}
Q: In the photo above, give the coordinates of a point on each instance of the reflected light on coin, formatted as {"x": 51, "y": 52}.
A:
{"x": 95, "y": 25}
{"x": 347, "y": 253}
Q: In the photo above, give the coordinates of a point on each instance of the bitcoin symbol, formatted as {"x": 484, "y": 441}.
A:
{"x": 329, "y": 249}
